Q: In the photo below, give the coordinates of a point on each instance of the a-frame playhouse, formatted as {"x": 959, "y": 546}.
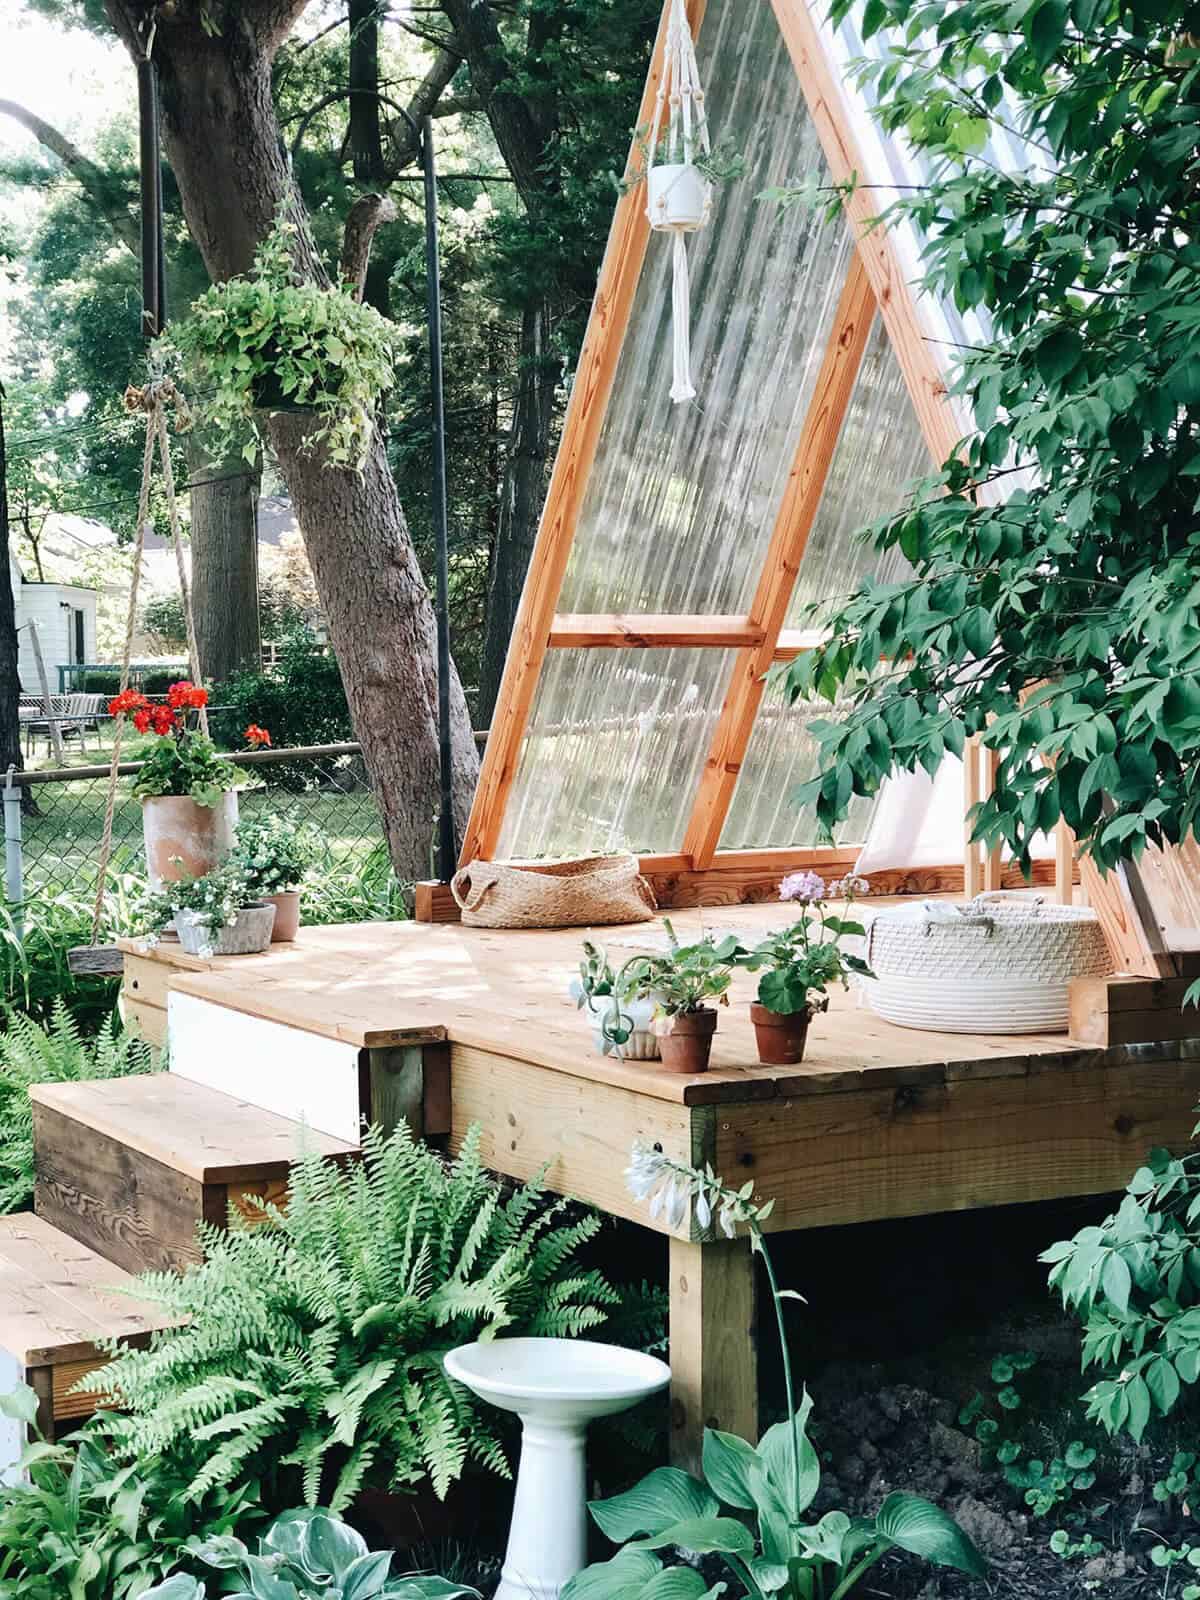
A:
{"x": 677, "y": 543}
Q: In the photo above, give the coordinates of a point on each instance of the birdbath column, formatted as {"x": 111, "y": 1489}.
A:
{"x": 556, "y": 1387}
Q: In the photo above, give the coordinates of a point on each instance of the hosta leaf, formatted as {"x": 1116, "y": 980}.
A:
{"x": 776, "y": 1448}
{"x": 734, "y": 1469}
{"x": 703, "y": 1536}
{"x": 622, "y": 1578}
{"x": 328, "y": 1546}
{"x": 926, "y": 1530}
{"x": 664, "y": 1497}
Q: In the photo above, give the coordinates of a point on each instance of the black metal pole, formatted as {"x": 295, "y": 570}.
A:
{"x": 151, "y": 197}
{"x": 447, "y": 853}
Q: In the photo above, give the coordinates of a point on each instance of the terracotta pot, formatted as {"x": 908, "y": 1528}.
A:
{"x": 185, "y": 839}
{"x": 781, "y": 1039}
{"x": 686, "y": 1040}
{"x": 287, "y": 914}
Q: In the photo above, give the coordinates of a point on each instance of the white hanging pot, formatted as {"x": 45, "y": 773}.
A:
{"x": 678, "y": 198}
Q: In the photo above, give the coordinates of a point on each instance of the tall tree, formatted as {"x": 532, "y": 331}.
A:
{"x": 223, "y": 141}
{"x": 223, "y": 526}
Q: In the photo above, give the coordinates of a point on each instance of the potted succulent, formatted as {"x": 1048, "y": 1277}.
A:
{"x": 274, "y": 853}
{"x": 214, "y": 915}
{"x": 189, "y": 809}
{"x": 681, "y": 982}
{"x": 799, "y": 963}
{"x": 622, "y": 1020}
{"x": 274, "y": 341}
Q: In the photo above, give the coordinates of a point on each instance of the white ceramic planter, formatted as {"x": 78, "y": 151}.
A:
{"x": 678, "y": 197}
{"x": 642, "y": 1044}
{"x": 248, "y": 934}
{"x": 556, "y": 1387}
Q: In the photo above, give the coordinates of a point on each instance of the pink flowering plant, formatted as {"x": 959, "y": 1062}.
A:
{"x": 800, "y": 962}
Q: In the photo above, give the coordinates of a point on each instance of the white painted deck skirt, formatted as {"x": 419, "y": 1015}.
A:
{"x": 301, "y": 1075}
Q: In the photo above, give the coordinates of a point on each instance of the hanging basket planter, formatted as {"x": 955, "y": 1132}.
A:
{"x": 268, "y": 395}
{"x": 678, "y": 195}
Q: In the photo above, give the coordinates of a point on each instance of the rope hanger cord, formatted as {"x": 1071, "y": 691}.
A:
{"x": 678, "y": 196}
{"x": 151, "y": 401}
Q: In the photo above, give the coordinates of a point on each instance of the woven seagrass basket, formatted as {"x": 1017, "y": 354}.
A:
{"x": 1000, "y": 964}
{"x": 586, "y": 893}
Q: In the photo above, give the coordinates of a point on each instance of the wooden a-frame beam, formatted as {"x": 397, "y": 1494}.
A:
{"x": 586, "y": 411}
{"x": 777, "y": 581}
{"x": 650, "y": 631}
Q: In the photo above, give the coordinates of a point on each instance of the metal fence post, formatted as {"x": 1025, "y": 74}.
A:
{"x": 14, "y": 873}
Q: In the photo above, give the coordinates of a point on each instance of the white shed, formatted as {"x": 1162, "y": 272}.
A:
{"x": 65, "y": 617}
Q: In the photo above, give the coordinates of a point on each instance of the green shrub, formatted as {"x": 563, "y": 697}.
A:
{"x": 29, "y": 1054}
{"x": 302, "y": 702}
{"x": 312, "y": 1352}
{"x": 107, "y": 680}
{"x": 80, "y": 1527}
{"x": 369, "y": 892}
{"x": 34, "y": 970}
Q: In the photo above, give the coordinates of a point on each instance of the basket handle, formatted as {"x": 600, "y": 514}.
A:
{"x": 1008, "y": 897}
{"x": 471, "y": 885}
{"x": 940, "y": 917}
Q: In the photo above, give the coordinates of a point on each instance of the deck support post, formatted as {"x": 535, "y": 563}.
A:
{"x": 407, "y": 1083}
{"x": 714, "y": 1363}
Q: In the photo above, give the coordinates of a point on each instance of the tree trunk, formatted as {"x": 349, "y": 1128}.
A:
{"x": 224, "y": 540}
{"x": 10, "y": 681}
{"x": 521, "y": 496}
{"x": 365, "y": 131}
{"x": 222, "y": 139}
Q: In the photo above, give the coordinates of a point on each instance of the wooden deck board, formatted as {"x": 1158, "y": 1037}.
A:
{"x": 57, "y": 1297}
{"x": 199, "y": 1132}
{"x": 505, "y": 992}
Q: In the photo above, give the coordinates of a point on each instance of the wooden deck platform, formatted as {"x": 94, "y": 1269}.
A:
{"x": 474, "y": 1026}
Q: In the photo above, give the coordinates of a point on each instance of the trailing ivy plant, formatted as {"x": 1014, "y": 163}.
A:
{"x": 312, "y": 1352}
{"x": 1073, "y": 578}
{"x": 271, "y": 341}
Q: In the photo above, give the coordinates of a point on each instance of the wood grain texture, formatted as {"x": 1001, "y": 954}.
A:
{"x": 1134, "y": 939}
{"x": 590, "y": 394}
{"x": 713, "y": 1329}
{"x": 651, "y": 632}
{"x": 147, "y": 1021}
{"x": 1128, "y": 1010}
{"x": 57, "y": 1297}
{"x": 979, "y": 1141}
{"x": 777, "y": 581}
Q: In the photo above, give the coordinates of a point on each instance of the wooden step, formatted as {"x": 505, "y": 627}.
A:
{"x": 129, "y": 1166}
{"x": 58, "y": 1299}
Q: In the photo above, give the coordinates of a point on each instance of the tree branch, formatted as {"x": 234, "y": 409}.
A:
{"x": 93, "y": 180}
{"x": 367, "y": 213}
{"x": 424, "y": 101}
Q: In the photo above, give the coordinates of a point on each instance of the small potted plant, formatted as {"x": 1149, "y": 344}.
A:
{"x": 622, "y": 1021}
{"x": 681, "y": 983}
{"x": 275, "y": 341}
{"x": 799, "y": 963}
{"x": 214, "y": 915}
{"x": 274, "y": 853}
{"x": 189, "y": 808}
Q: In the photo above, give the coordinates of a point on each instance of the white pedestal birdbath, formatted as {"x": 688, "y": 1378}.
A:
{"x": 556, "y": 1387}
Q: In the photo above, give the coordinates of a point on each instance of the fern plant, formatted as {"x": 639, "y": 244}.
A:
{"x": 312, "y": 1343}
{"x": 58, "y": 1053}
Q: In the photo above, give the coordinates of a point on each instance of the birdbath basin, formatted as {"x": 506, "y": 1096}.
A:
{"x": 556, "y": 1387}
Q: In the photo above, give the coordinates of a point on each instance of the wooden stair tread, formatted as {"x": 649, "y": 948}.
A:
{"x": 199, "y": 1132}
{"x": 58, "y": 1298}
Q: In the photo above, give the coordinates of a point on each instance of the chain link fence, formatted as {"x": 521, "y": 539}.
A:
{"x": 53, "y": 841}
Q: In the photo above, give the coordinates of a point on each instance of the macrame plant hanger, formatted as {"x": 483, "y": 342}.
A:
{"x": 151, "y": 401}
{"x": 678, "y": 194}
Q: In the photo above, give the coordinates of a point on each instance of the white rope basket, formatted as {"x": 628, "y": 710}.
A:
{"x": 1000, "y": 964}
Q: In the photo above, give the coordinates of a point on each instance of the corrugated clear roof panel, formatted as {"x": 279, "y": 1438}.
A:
{"x": 613, "y": 752}
{"x": 879, "y": 452}
{"x": 682, "y": 499}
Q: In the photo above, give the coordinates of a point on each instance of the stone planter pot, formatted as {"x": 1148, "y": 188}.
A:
{"x": 185, "y": 839}
{"x": 287, "y": 914}
{"x": 685, "y": 1041}
{"x": 248, "y": 934}
{"x": 781, "y": 1039}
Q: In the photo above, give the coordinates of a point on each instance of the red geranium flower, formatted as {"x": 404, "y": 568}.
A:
{"x": 127, "y": 700}
{"x": 141, "y": 719}
{"x": 163, "y": 720}
{"x": 256, "y": 735}
{"x": 186, "y": 694}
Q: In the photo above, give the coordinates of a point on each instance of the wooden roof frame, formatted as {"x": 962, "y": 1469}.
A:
{"x": 875, "y": 282}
